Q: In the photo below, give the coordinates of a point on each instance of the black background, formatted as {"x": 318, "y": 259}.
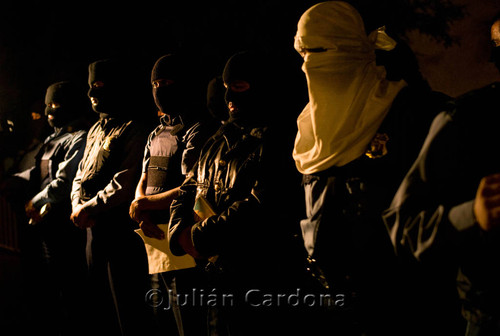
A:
{"x": 44, "y": 42}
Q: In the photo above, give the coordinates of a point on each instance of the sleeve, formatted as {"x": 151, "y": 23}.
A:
{"x": 195, "y": 138}
{"x": 121, "y": 187}
{"x": 428, "y": 213}
{"x": 181, "y": 213}
{"x": 241, "y": 221}
{"x": 60, "y": 188}
{"x": 147, "y": 153}
{"x": 214, "y": 233}
{"x": 76, "y": 186}
{"x": 26, "y": 175}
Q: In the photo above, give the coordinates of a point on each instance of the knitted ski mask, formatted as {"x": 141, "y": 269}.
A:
{"x": 495, "y": 57}
{"x": 169, "y": 98}
{"x": 216, "y": 103}
{"x": 244, "y": 66}
{"x": 110, "y": 88}
{"x": 65, "y": 103}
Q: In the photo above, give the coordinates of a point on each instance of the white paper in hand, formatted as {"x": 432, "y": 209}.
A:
{"x": 160, "y": 259}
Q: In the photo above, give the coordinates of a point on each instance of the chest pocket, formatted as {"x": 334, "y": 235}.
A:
{"x": 103, "y": 156}
{"x": 99, "y": 170}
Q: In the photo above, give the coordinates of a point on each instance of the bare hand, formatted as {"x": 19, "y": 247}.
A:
{"x": 81, "y": 218}
{"x": 151, "y": 230}
{"x": 136, "y": 209}
{"x": 32, "y": 213}
{"x": 487, "y": 202}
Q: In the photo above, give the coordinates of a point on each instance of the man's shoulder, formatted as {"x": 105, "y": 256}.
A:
{"x": 416, "y": 97}
{"x": 202, "y": 129}
{"x": 478, "y": 104}
{"x": 489, "y": 92}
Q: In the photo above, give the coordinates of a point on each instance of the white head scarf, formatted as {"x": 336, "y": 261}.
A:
{"x": 349, "y": 96}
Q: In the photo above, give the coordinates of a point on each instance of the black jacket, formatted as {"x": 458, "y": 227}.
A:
{"x": 344, "y": 232}
{"x": 431, "y": 217}
{"x": 247, "y": 177}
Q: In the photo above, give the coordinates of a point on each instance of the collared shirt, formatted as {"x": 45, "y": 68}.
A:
{"x": 60, "y": 155}
{"x": 110, "y": 168}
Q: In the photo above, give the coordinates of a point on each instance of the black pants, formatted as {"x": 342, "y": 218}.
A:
{"x": 55, "y": 273}
{"x": 117, "y": 282}
{"x": 177, "y": 301}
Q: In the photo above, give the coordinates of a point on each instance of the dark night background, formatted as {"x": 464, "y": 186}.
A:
{"x": 42, "y": 42}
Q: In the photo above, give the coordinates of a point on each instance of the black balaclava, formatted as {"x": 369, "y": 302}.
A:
{"x": 495, "y": 56}
{"x": 71, "y": 100}
{"x": 216, "y": 103}
{"x": 116, "y": 97}
{"x": 245, "y": 66}
{"x": 169, "y": 98}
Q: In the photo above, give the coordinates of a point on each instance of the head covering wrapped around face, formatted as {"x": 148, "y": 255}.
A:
{"x": 65, "y": 103}
{"x": 348, "y": 94}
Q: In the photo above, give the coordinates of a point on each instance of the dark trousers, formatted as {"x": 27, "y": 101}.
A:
{"x": 353, "y": 255}
{"x": 117, "y": 282}
{"x": 177, "y": 302}
{"x": 55, "y": 272}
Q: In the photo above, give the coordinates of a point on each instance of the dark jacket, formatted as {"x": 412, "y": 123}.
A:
{"x": 350, "y": 250}
{"x": 357, "y": 193}
{"x": 254, "y": 210}
{"x": 109, "y": 170}
{"x": 56, "y": 165}
{"x": 431, "y": 217}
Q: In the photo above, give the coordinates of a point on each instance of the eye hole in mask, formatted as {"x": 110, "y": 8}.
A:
{"x": 304, "y": 51}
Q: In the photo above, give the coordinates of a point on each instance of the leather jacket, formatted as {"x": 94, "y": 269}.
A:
{"x": 227, "y": 177}
{"x": 247, "y": 177}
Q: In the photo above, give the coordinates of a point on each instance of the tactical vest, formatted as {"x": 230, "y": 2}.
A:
{"x": 164, "y": 169}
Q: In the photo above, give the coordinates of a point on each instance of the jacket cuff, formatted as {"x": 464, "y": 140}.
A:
{"x": 202, "y": 237}
{"x": 91, "y": 206}
{"x": 174, "y": 245}
{"x": 39, "y": 200}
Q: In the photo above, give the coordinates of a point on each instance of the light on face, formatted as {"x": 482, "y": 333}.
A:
{"x": 162, "y": 82}
{"x": 53, "y": 105}
{"x": 97, "y": 84}
{"x": 495, "y": 34}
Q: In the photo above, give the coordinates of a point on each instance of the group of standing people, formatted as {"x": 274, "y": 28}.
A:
{"x": 400, "y": 196}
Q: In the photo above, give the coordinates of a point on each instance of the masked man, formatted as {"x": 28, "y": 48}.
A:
{"x": 171, "y": 151}
{"x": 49, "y": 208}
{"x": 357, "y": 137}
{"x": 102, "y": 191}
{"x": 231, "y": 214}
